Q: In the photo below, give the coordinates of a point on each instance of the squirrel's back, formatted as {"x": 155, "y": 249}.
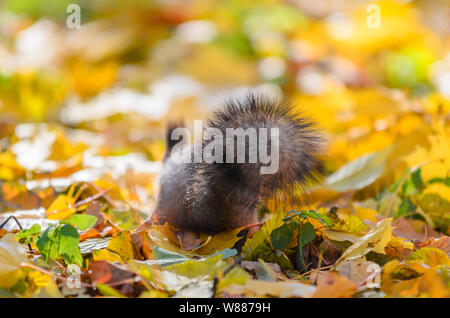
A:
{"x": 224, "y": 194}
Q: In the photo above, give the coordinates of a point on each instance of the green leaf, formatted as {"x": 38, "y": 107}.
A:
{"x": 416, "y": 178}
{"x": 28, "y": 234}
{"x": 306, "y": 234}
{"x": 320, "y": 217}
{"x": 225, "y": 253}
{"x": 166, "y": 257}
{"x": 359, "y": 173}
{"x": 68, "y": 246}
{"x": 47, "y": 245}
{"x": 106, "y": 290}
{"x": 405, "y": 208}
{"x": 60, "y": 241}
{"x": 81, "y": 221}
{"x": 282, "y": 236}
{"x": 412, "y": 185}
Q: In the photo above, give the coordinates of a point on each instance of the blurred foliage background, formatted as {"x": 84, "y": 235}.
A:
{"x": 134, "y": 65}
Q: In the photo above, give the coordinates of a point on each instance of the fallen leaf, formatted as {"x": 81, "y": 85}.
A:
{"x": 376, "y": 240}
{"x": 12, "y": 255}
{"x": 359, "y": 173}
{"x": 286, "y": 289}
{"x": 333, "y": 285}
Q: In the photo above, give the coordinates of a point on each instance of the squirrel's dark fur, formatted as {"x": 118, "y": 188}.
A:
{"x": 216, "y": 197}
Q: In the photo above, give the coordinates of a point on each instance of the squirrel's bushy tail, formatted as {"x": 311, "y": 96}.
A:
{"x": 297, "y": 142}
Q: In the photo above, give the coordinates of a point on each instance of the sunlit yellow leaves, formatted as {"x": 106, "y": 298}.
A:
{"x": 415, "y": 281}
{"x": 34, "y": 94}
{"x": 436, "y": 103}
{"x": 64, "y": 149}
{"x": 12, "y": 254}
{"x": 431, "y": 256}
{"x": 326, "y": 108}
{"x": 88, "y": 79}
{"x": 376, "y": 240}
{"x": 407, "y": 124}
{"x": 9, "y": 169}
{"x": 231, "y": 70}
{"x": 356, "y": 36}
{"x": 121, "y": 244}
{"x": 119, "y": 249}
{"x": 42, "y": 285}
{"x": 106, "y": 255}
{"x": 366, "y": 214}
{"x": 436, "y": 158}
{"x": 439, "y": 189}
{"x": 431, "y": 285}
{"x": 349, "y": 224}
{"x": 63, "y": 206}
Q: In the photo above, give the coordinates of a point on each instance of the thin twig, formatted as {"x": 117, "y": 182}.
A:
{"x": 18, "y": 224}
{"x": 43, "y": 271}
{"x": 316, "y": 270}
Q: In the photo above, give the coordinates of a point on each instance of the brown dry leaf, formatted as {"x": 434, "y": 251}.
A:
{"x": 333, "y": 285}
{"x": 17, "y": 197}
{"x": 404, "y": 229}
{"x": 442, "y": 243}
{"x": 91, "y": 233}
{"x": 104, "y": 272}
{"x": 399, "y": 248}
{"x": 142, "y": 245}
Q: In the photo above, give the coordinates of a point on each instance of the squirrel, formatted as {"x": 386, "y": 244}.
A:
{"x": 220, "y": 196}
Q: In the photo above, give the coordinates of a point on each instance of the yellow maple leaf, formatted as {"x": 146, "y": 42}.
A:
{"x": 436, "y": 158}
{"x": 64, "y": 205}
{"x": 43, "y": 285}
